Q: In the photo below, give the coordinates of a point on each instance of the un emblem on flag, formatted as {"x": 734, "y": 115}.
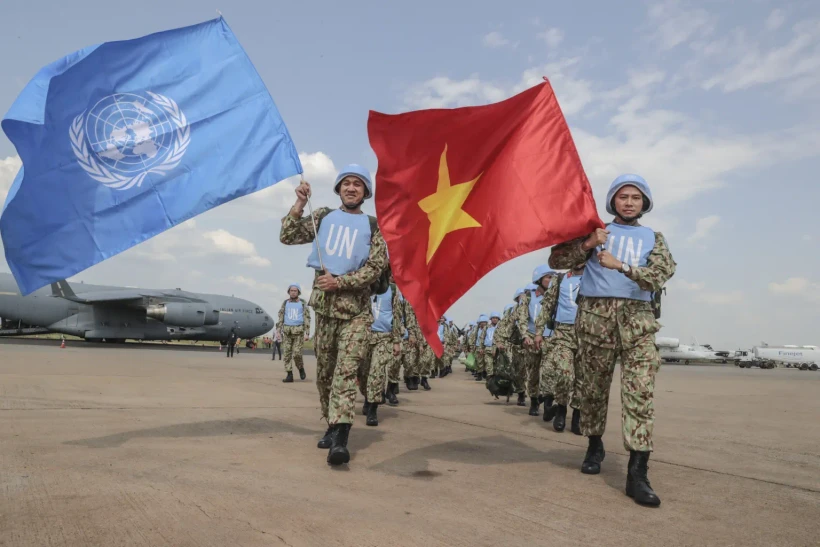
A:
{"x": 127, "y": 136}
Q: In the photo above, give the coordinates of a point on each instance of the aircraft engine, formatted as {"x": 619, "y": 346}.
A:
{"x": 183, "y": 314}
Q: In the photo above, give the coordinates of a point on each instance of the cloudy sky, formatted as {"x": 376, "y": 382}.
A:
{"x": 714, "y": 103}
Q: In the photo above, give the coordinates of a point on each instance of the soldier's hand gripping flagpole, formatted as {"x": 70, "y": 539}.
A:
{"x": 315, "y": 231}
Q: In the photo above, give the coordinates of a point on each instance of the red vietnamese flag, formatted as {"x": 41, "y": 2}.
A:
{"x": 461, "y": 191}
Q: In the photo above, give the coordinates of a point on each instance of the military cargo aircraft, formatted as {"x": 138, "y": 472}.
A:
{"x": 114, "y": 314}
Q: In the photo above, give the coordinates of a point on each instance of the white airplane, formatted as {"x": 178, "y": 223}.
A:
{"x": 672, "y": 351}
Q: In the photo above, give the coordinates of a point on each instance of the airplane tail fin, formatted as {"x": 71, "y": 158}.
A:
{"x": 63, "y": 290}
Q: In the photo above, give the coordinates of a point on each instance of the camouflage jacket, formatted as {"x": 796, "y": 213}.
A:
{"x": 481, "y": 333}
{"x": 503, "y": 330}
{"x": 471, "y": 338}
{"x": 281, "y": 322}
{"x": 614, "y": 322}
{"x": 548, "y": 304}
{"x": 521, "y": 316}
{"x": 409, "y": 320}
{"x": 353, "y": 296}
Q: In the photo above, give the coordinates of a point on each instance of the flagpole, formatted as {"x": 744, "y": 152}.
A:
{"x": 315, "y": 231}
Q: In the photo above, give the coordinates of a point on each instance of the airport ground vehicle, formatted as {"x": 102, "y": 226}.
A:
{"x": 800, "y": 357}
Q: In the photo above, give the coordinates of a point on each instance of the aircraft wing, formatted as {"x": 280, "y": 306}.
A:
{"x": 126, "y": 297}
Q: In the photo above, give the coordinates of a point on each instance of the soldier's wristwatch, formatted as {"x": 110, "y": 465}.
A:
{"x": 625, "y": 268}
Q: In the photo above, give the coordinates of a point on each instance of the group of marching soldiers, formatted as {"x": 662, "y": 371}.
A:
{"x": 556, "y": 343}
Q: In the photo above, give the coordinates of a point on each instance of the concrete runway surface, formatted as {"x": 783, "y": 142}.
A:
{"x": 145, "y": 447}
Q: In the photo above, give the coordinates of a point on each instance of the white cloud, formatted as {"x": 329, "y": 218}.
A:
{"x": 254, "y": 284}
{"x": 776, "y": 19}
{"x": 256, "y": 261}
{"x": 552, "y": 36}
{"x": 797, "y": 61}
{"x": 686, "y": 285}
{"x": 703, "y": 227}
{"x": 442, "y": 92}
{"x": 494, "y": 39}
{"x": 797, "y": 286}
{"x": 8, "y": 170}
{"x": 721, "y": 298}
{"x": 675, "y": 23}
{"x": 228, "y": 243}
{"x": 807, "y": 238}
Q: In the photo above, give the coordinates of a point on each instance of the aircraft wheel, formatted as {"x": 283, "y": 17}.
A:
{"x": 814, "y": 367}
{"x": 686, "y": 362}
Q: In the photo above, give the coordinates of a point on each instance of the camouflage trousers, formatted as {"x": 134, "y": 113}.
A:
{"x": 560, "y": 365}
{"x": 489, "y": 359}
{"x": 394, "y": 368}
{"x": 427, "y": 361}
{"x": 480, "y": 359}
{"x": 373, "y": 370}
{"x": 410, "y": 359}
{"x": 517, "y": 356}
{"x": 532, "y": 368}
{"x": 341, "y": 345}
{"x": 546, "y": 370}
{"x": 608, "y": 329}
{"x": 293, "y": 339}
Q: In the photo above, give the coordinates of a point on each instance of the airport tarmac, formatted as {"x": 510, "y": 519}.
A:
{"x": 106, "y": 446}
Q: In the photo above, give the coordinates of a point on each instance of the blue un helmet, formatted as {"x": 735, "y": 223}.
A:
{"x": 629, "y": 180}
{"x": 483, "y": 318}
{"x": 358, "y": 171}
{"x": 295, "y": 286}
{"x": 539, "y": 273}
{"x": 495, "y": 314}
{"x": 518, "y": 293}
{"x": 531, "y": 287}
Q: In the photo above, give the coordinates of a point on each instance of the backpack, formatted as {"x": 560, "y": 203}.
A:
{"x": 379, "y": 286}
{"x": 501, "y": 382}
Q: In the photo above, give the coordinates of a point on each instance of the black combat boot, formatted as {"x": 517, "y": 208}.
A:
{"x": 549, "y": 410}
{"x": 522, "y": 399}
{"x": 560, "y": 421}
{"x": 289, "y": 378}
{"x": 372, "y": 417}
{"x": 326, "y": 441}
{"x": 434, "y": 374}
{"x": 365, "y": 407}
{"x": 594, "y": 456}
{"x": 534, "y": 406}
{"x": 414, "y": 386}
{"x": 425, "y": 384}
{"x": 338, "y": 453}
{"x": 637, "y": 482}
{"x": 408, "y": 382}
{"x": 390, "y": 394}
{"x": 302, "y": 374}
{"x": 575, "y": 426}
{"x": 479, "y": 377}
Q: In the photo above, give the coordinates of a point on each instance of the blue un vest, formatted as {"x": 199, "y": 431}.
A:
{"x": 345, "y": 241}
{"x": 629, "y": 244}
{"x": 441, "y": 333}
{"x": 294, "y": 314}
{"x": 535, "y": 309}
{"x": 488, "y": 338}
{"x": 567, "y": 306}
{"x": 383, "y": 311}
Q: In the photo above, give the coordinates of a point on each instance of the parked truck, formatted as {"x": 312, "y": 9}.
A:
{"x": 766, "y": 357}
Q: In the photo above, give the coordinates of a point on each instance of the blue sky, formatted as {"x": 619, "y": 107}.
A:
{"x": 713, "y": 102}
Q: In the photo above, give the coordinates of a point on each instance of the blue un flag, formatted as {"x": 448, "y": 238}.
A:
{"x": 123, "y": 140}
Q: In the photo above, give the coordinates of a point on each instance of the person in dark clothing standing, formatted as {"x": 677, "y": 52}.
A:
{"x": 232, "y": 343}
{"x": 277, "y": 345}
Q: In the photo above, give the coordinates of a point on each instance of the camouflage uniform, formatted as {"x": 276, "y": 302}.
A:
{"x": 478, "y": 349}
{"x": 293, "y": 338}
{"x": 409, "y": 350}
{"x": 374, "y": 370}
{"x": 548, "y": 371}
{"x": 531, "y": 356}
{"x": 559, "y": 372}
{"x": 609, "y": 328}
{"x": 343, "y": 320}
